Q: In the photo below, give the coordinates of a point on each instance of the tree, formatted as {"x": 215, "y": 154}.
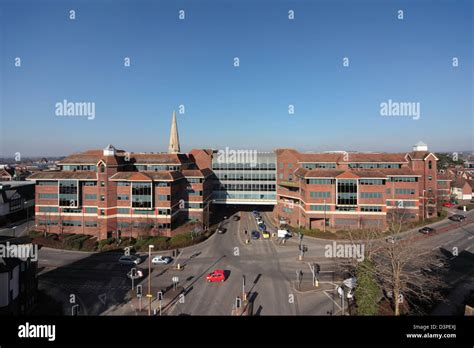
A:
{"x": 367, "y": 292}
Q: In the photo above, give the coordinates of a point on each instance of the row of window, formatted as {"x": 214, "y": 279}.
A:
{"x": 320, "y": 194}
{"x": 370, "y": 195}
{"x": 371, "y": 182}
{"x": 404, "y": 191}
{"x": 319, "y": 165}
{"x": 243, "y": 166}
{"x": 375, "y": 165}
{"x": 245, "y": 187}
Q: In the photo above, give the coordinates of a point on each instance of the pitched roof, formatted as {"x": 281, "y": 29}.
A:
{"x": 159, "y": 158}
{"x": 65, "y": 174}
{"x": 201, "y": 173}
{"x": 162, "y": 175}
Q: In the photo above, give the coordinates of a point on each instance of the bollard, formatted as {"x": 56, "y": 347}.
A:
{"x": 300, "y": 257}
{"x": 178, "y": 266}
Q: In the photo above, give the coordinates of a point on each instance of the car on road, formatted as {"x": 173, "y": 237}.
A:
{"x": 448, "y": 205}
{"x": 426, "y": 230}
{"x": 393, "y": 239}
{"x": 236, "y": 218}
{"x": 265, "y": 235}
{"x": 216, "y": 276}
{"x": 161, "y": 260}
{"x": 262, "y": 227}
{"x": 138, "y": 274}
{"x": 255, "y": 235}
{"x": 220, "y": 230}
{"x": 129, "y": 260}
{"x": 255, "y": 213}
{"x": 457, "y": 217}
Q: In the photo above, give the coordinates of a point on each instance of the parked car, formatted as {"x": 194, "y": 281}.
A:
{"x": 236, "y": 218}
{"x": 255, "y": 235}
{"x": 129, "y": 260}
{"x": 138, "y": 274}
{"x": 457, "y": 217}
{"x": 216, "y": 276}
{"x": 393, "y": 239}
{"x": 426, "y": 230}
{"x": 448, "y": 205}
{"x": 262, "y": 227}
{"x": 220, "y": 230}
{"x": 255, "y": 213}
{"x": 158, "y": 260}
{"x": 265, "y": 235}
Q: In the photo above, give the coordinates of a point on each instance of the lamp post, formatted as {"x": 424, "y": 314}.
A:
{"x": 149, "y": 278}
{"x": 324, "y": 223}
{"x": 424, "y": 205}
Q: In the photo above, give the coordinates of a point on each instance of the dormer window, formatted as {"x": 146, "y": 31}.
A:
{"x": 430, "y": 165}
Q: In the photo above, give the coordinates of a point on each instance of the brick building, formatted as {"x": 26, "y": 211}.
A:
{"x": 111, "y": 192}
{"x": 342, "y": 190}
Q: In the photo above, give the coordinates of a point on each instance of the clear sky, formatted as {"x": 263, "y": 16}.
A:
{"x": 191, "y": 62}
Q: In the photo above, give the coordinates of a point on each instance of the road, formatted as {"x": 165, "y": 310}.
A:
{"x": 268, "y": 266}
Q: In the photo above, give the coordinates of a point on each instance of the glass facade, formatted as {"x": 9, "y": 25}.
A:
{"x": 142, "y": 196}
{"x": 346, "y": 192}
{"x": 68, "y": 193}
{"x": 245, "y": 178}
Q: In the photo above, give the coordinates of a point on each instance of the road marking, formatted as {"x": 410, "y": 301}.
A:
{"x": 437, "y": 247}
{"x": 337, "y": 304}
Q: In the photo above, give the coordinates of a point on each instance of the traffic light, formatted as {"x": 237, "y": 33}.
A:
{"x": 139, "y": 291}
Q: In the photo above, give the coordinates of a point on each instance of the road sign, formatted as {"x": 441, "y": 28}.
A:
{"x": 175, "y": 279}
{"x": 159, "y": 296}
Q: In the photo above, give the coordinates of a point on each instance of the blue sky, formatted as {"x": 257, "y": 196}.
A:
{"x": 190, "y": 62}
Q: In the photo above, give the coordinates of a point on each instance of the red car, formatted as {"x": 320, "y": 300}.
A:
{"x": 448, "y": 205}
{"x": 216, "y": 276}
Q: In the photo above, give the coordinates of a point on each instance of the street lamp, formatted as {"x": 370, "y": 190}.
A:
{"x": 324, "y": 223}
{"x": 149, "y": 278}
{"x": 424, "y": 205}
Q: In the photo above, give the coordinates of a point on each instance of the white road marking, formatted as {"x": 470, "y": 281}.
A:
{"x": 337, "y": 304}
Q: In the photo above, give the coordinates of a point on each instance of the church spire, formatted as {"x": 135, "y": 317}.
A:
{"x": 174, "y": 138}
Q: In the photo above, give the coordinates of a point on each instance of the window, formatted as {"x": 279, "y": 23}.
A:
{"x": 290, "y": 165}
{"x": 281, "y": 176}
{"x": 123, "y": 211}
{"x": 102, "y": 198}
{"x": 320, "y": 194}
{"x": 367, "y": 208}
{"x": 102, "y": 183}
{"x": 48, "y": 196}
{"x": 47, "y": 183}
{"x": 347, "y": 192}
{"x": 102, "y": 168}
{"x": 372, "y": 182}
{"x": 319, "y": 181}
{"x": 123, "y": 183}
{"x": 90, "y": 183}
{"x": 370, "y": 195}
{"x": 122, "y": 197}
{"x": 282, "y": 165}
{"x": 48, "y": 209}
{"x": 319, "y": 207}
{"x": 430, "y": 178}
{"x": 403, "y": 179}
{"x": 91, "y": 196}
{"x": 90, "y": 223}
{"x": 68, "y": 193}
{"x": 430, "y": 165}
{"x": 91, "y": 210}
{"x": 404, "y": 191}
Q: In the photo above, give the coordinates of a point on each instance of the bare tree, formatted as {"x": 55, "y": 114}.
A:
{"x": 400, "y": 270}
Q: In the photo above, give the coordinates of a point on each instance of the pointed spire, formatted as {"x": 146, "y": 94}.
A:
{"x": 174, "y": 138}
